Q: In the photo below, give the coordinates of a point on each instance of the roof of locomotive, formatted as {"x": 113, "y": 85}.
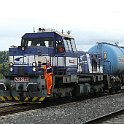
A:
{"x": 46, "y": 33}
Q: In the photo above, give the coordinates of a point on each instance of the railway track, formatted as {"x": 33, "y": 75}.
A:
{"x": 5, "y": 110}
{"x": 88, "y": 111}
{"x": 106, "y": 117}
{"x": 19, "y": 107}
{"x": 15, "y": 108}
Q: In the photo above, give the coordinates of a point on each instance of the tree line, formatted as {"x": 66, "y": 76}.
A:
{"x": 4, "y": 63}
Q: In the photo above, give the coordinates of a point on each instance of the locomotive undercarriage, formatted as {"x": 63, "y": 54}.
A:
{"x": 23, "y": 91}
{"x": 63, "y": 86}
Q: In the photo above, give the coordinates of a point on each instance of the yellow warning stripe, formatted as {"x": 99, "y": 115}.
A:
{"x": 9, "y": 98}
{"x": 2, "y": 98}
{"x": 34, "y": 99}
{"x": 41, "y": 99}
{"x": 26, "y": 99}
{"x": 16, "y": 98}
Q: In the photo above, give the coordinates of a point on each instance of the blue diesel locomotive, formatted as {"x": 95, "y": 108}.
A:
{"x": 47, "y": 64}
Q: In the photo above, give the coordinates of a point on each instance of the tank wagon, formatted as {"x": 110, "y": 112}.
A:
{"x": 47, "y": 64}
{"x": 112, "y": 59}
{"x": 112, "y": 56}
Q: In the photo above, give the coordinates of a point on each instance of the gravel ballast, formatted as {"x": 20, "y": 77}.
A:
{"x": 70, "y": 113}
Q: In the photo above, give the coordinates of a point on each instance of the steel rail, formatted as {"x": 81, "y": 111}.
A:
{"x": 105, "y": 117}
{"x": 5, "y": 110}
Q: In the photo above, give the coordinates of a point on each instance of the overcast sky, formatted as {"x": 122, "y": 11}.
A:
{"x": 90, "y": 21}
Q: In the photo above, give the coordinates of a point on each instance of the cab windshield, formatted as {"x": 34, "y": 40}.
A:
{"x": 46, "y": 42}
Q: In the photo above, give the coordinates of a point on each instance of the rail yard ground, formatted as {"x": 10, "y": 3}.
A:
{"x": 71, "y": 113}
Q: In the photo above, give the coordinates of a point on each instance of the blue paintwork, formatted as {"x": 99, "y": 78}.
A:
{"x": 46, "y": 51}
{"x": 32, "y": 51}
{"x": 38, "y": 35}
{"x": 28, "y": 70}
{"x": 114, "y": 53}
{"x": 85, "y": 65}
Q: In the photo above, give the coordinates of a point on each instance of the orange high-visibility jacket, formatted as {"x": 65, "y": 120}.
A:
{"x": 48, "y": 79}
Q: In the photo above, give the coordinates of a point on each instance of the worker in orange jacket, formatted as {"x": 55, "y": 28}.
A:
{"x": 48, "y": 79}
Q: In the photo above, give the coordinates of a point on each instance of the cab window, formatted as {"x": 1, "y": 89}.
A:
{"x": 59, "y": 46}
{"x": 66, "y": 45}
{"x": 47, "y": 42}
{"x": 69, "y": 44}
{"x": 73, "y": 45}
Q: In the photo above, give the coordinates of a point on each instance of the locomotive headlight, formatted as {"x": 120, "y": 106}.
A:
{"x": 11, "y": 69}
{"x": 34, "y": 64}
{"x": 34, "y": 69}
{"x": 10, "y": 64}
{"x": 23, "y": 48}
